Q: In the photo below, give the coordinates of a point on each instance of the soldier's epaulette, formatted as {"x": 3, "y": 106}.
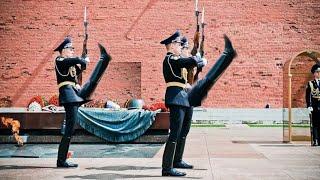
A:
{"x": 174, "y": 57}
{"x": 311, "y": 86}
{"x": 60, "y": 59}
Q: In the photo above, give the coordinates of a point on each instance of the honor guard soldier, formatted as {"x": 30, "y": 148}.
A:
{"x": 176, "y": 98}
{"x": 71, "y": 95}
{"x": 313, "y": 104}
{"x": 186, "y": 124}
{"x": 180, "y": 100}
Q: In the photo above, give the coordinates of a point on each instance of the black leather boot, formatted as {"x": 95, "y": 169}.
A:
{"x": 62, "y": 154}
{"x": 66, "y": 165}
{"x": 96, "y": 75}
{"x": 200, "y": 90}
{"x": 316, "y": 136}
{"x": 167, "y": 161}
{"x": 178, "y": 162}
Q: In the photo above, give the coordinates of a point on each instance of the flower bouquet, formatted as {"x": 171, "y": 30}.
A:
{"x": 36, "y": 103}
{"x": 156, "y": 106}
{"x": 54, "y": 100}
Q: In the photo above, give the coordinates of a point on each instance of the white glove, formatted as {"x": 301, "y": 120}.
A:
{"x": 188, "y": 86}
{"x": 78, "y": 87}
{"x": 87, "y": 59}
{"x": 198, "y": 55}
{"x": 205, "y": 61}
{"x": 310, "y": 109}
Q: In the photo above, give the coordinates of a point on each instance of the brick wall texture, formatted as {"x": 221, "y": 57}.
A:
{"x": 266, "y": 34}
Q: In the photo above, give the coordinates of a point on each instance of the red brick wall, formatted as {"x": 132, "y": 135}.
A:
{"x": 266, "y": 34}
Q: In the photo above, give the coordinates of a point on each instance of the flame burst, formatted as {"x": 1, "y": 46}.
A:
{"x": 15, "y": 124}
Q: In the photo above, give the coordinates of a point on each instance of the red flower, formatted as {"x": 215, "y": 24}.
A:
{"x": 38, "y": 99}
{"x": 156, "y": 106}
{"x": 54, "y": 100}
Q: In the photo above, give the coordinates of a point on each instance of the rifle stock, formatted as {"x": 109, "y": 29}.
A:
{"x": 201, "y": 51}
{"x": 196, "y": 40}
{"x": 194, "y": 51}
{"x": 84, "y": 47}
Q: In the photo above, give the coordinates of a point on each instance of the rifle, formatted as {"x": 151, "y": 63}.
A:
{"x": 85, "y": 23}
{"x": 84, "y": 49}
{"x": 196, "y": 41}
{"x": 201, "y": 48}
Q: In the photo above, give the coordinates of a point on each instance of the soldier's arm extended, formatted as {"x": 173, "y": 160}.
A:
{"x": 189, "y": 62}
{"x": 73, "y": 61}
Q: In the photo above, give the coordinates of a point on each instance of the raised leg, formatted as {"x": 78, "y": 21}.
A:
{"x": 200, "y": 90}
{"x": 96, "y": 75}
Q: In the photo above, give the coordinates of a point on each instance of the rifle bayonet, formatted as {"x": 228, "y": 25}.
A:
{"x": 85, "y": 23}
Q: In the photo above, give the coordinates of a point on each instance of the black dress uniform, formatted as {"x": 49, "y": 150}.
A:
{"x": 179, "y": 100}
{"x": 313, "y": 100}
{"x": 185, "y": 128}
{"x": 70, "y": 96}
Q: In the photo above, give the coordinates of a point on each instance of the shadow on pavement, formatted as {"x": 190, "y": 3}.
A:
{"x": 122, "y": 176}
{"x": 123, "y": 168}
{"x": 119, "y": 176}
{"x": 198, "y": 169}
{"x": 6, "y": 167}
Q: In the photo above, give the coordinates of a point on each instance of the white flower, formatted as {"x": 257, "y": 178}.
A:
{"x": 34, "y": 106}
{"x": 111, "y": 104}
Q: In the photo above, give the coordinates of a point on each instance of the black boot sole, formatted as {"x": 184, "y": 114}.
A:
{"x": 169, "y": 174}
{"x": 172, "y": 172}
{"x": 66, "y": 165}
{"x": 182, "y": 167}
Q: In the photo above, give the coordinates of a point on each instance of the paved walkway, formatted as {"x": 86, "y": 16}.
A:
{"x": 234, "y": 152}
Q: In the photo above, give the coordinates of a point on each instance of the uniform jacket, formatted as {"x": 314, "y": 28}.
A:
{"x": 313, "y": 95}
{"x": 174, "y": 70}
{"x": 67, "y": 69}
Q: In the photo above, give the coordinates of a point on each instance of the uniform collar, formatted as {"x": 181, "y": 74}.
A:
{"x": 171, "y": 54}
{"x": 316, "y": 82}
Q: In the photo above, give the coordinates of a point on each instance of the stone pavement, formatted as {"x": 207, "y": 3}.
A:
{"x": 234, "y": 152}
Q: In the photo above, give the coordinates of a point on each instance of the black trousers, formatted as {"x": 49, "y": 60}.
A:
{"x": 71, "y": 118}
{"x": 180, "y": 122}
{"x": 71, "y": 110}
{"x": 316, "y": 126}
